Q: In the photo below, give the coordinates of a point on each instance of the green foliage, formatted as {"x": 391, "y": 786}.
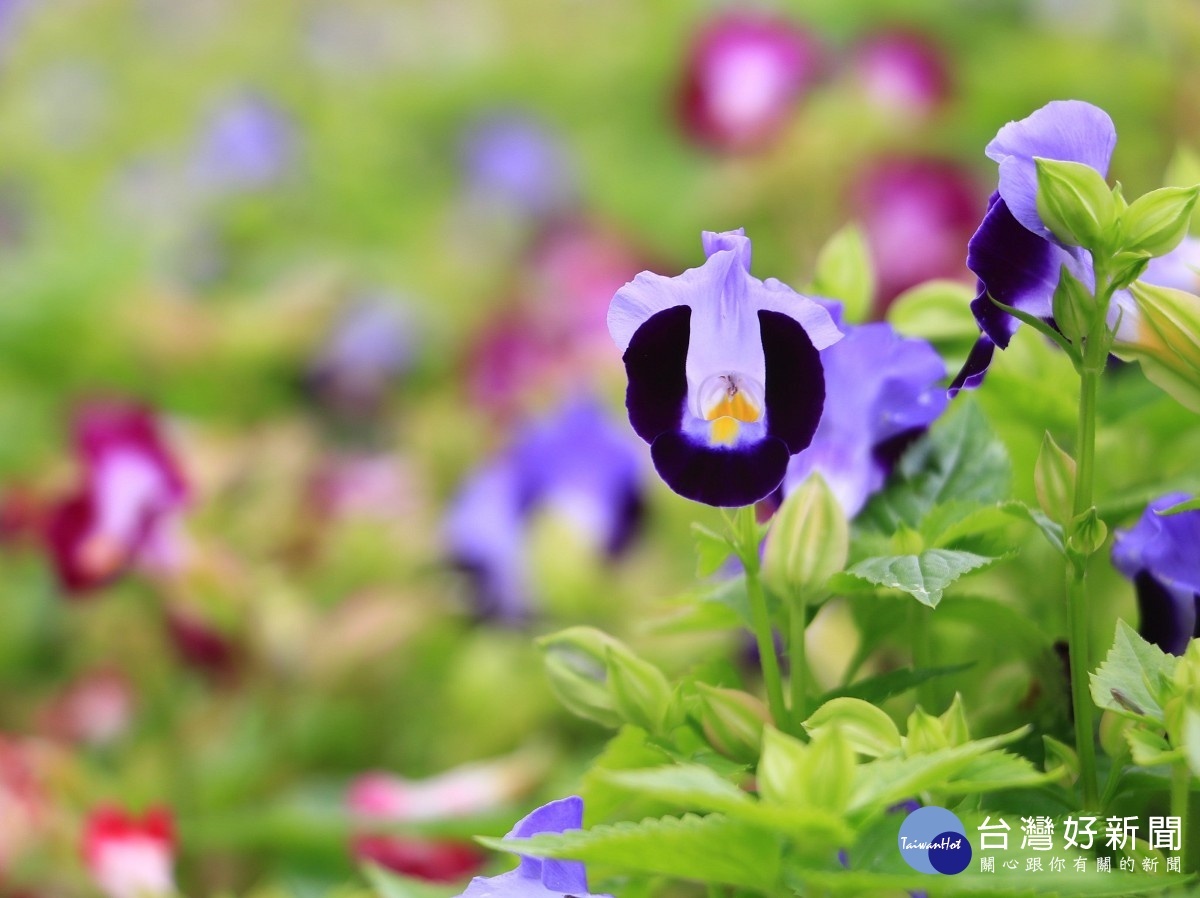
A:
{"x": 844, "y": 272}
{"x": 1135, "y": 676}
{"x": 925, "y": 576}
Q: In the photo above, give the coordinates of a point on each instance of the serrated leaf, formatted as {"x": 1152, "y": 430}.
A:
{"x": 1149, "y": 749}
{"x": 712, "y": 550}
{"x": 998, "y": 770}
{"x": 713, "y": 848}
{"x": 1133, "y": 678}
{"x": 925, "y": 576}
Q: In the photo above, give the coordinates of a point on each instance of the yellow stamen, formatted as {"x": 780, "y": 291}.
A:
{"x": 736, "y": 405}
{"x": 724, "y": 430}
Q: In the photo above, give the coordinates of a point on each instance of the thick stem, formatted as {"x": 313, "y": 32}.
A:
{"x": 1181, "y": 799}
{"x": 798, "y": 661}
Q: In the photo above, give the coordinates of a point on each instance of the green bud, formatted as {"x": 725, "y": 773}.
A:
{"x": 1054, "y": 481}
{"x": 809, "y": 542}
{"x": 866, "y": 728}
{"x": 1112, "y": 734}
{"x": 1073, "y": 306}
{"x": 1190, "y": 738}
{"x": 1165, "y": 339}
{"x": 844, "y": 272}
{"x": 954, "y": 723}
{"x": 1157, "y": 222}
{"x": 733, "y": 722}
{"x": 1075, "y": 203}
{"x": 781, "y": 770}
{"x": 640, "y": 691}
{"x": 1182, "y": 170}
{"x": 925, "y": 734}
{"x": 1127, "y": 267}
{"x": 1088, "y": 533}
{"x": 1148, "y": 748}
{"x": 576, "y": 665}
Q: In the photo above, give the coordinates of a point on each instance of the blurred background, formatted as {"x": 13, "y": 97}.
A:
{"x": 332, "y": 278}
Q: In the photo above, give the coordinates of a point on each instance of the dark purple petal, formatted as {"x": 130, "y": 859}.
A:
{"x": 655, "y": 363}
{"x": 1015, "y": 266}
{"x": 1159, "y": 554}
{"x": 971, "y": 375}
{"x": 795, "y": 388}
{"x": 722, "y": 476}
{"x": 1063, "y": 130}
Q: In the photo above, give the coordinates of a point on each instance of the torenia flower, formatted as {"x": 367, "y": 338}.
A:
{"x": 1159, "y": 554}
{"x": 128, "y": 857}
{"x": 743, "y": 77}
{"x": 94, "y": 710}
{"x": 534, "y": 877}
{"x": 1014, "y": 253}
{"x": 127, "y": 510}
{"x": 881, "y": 393}
{"x": 725, "y": 377}
{"x": 576, "y": 464}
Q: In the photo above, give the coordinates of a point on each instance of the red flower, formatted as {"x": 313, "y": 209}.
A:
{"x": 130, "y": 857}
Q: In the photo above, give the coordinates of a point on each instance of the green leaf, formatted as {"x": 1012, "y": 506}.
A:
{"x": 1052, "y": 531}
{"x": 925, "y": 576}
{"x": 1149, "y": 749}
{"x": 1075, "y": 203}
{"x": 844, "y": 272}
{"x": 1191, "y": 739}
{"x": 1188, "y": 505}
{"x": 712, "y": 550}
{"x": 883, "y": 686}
{"x": 940, "y": 312}
{"x": 713, "y": 848}
{"x": 959, "y": 460}
{"x": 1073, "y": 306}
{"x": 867, "y": 728}
{"x": 1134, "y": 678}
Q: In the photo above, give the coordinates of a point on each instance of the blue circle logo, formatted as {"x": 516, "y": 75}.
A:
{"x": 933, "y": 840}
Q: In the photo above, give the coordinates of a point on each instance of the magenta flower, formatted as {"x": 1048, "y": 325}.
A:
{"x": 1159, "y": 554}
{"x": 918, "y": 214}
{"x": 433, "y": 860}
{"x": 534, "y": 877}
{"x": 743, "y": 77}
{"x": 902, "y": 73}
{"x": 128, "y": 507}
{"x": 725, "y": 378}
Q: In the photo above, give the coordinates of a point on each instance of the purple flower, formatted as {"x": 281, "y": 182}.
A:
{"x": 1160, "y": 556}
{"x": 514, "y": 160}
{"x": 1013, "y": 253}
{"x": 902, "y": 73}
{"x": 743, "y": 77}
{"x": 881, "y": 392}
{"x": 535, "y": 877}
{"x": 246, "y": 145}
{"x": 917, "y": 215}
{"x": 368, "y": 348}
{"x": 725, "y": 376}
{"x": 575, "y": 463}
{"x": 1178, "y": 269}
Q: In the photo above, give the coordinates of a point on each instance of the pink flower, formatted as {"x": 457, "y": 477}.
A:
{"x": 902, "y": 73}
{"x": 743, "y": 77}
{"x": 128, "y": 857}
{"x": 94, "y": 710}
{"x": 918, "y": 215}
{"x": 23, "y": 808}
{"x": 127, "y": 509}
{"x": 460, "y": 792}
{"x": 434, "y": 860}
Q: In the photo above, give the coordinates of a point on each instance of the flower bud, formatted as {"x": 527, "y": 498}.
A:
{"x": 867, "y": 728}
{"x": 733, "y": 722}
{"x": 1164, "y": 336}
{"x": 1088, "y": 533}
{"x": 925, "y": 734}
{"x": 1054, "y": 480}
{"x": 576, "y": 664}
{"x": 1157, "y": 222}
{"x": 639, "y": 690}
{"x": 1075, "y": 203}
{"x": 809, "y": 542}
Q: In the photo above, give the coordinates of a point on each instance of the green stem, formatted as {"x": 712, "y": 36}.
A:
{"x": 798, "y": 659}
{"x": 765, "y": 637}
{"x": 1181, "y": 799}
{"x": 922, "y": 651}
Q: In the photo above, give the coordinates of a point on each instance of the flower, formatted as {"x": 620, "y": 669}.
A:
{"x": 742, "y": 78}
{"x": 917, "y": 214}
{"x": 96, "y": 709}
{"x": 130, "y": 857}
{"x": 1015, "y": 256}
{"x": 1178, "y": 269}
{"x": 534, "y": 877}
{"x": 247, "y": 144}
{"x": 512, "y": 159}
{"x": 575, "y": 463}
{"x": 433, "y": 860}
{"x": 368, "y": 348}
{"x": 1159, "y": 555}
{"x": 464, "y": 791}
{"x": 901, "y": 73}
{"x": 128, "y": 508}
{"x": 881, "y": 393}
{"x": 725, "y": 377}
